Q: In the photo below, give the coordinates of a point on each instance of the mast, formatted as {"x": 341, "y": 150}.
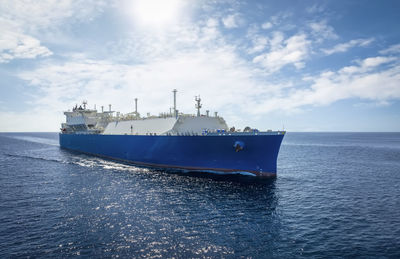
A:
{"x": 136, "y": 106}
{"x": 175, "y": 113}
{"x": 198, "y": 105}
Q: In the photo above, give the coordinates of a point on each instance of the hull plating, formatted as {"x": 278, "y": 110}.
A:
{"x": 193, "y": 153}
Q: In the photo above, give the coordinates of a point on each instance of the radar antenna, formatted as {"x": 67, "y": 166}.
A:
{"x": 198, "y": 104}
{"x": 84, "y": 104}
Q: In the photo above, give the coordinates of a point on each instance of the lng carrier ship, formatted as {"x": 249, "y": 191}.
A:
{"x": 172, "y": 140}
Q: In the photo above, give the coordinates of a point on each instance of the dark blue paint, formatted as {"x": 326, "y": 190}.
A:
{"x": 260, "y": 152}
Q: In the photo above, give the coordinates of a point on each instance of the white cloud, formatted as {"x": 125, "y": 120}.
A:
{"x": 259, "y": 44}
{"x": 278, "y": 20}
{"x": 232, "y": 21}
{"x": 266, "y": 25}
{"x": 322, "y": 31}
{"x": 375, "y": 79}
{"x": 280, "y": 17}
{"x": 22, "y": 21}
{"x": 15, "y": 44}
{"x": 143, "y": 47}
{"x": 373, "y": 62}
{"x": 292, "y": 51}
{"x": 343, "y": 47}
{"x": 277, "y": 40}
{"x": 394, "y": 49}
{"x": 44, "y": 14}
{"x": 259, "y": 41}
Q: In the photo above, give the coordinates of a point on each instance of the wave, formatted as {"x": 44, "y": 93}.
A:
{"x": 46, "y": 141}
{"x": 34, "y": 157}
{"x": 80, "y": 160}
{"x": 105, "y": 164}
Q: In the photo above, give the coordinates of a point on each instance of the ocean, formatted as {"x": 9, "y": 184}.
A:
{"x": 336, "y": 195}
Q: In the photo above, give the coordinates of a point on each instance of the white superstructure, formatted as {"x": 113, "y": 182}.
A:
{"x": 87, "y": 121}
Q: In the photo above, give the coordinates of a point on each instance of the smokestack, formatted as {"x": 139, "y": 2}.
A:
{"x": 102, "y": 108}
{"x": 109, "y": 107}
{"x": 216, "y": 114}
{"x": 208, "y": 113}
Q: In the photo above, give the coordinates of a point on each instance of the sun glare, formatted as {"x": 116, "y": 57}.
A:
{"x": 156, "y": 13}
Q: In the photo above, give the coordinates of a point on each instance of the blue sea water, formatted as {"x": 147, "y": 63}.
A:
{"x": 336, "y": 195}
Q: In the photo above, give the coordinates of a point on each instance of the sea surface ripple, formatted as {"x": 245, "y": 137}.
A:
{"x": 336, "y": 195}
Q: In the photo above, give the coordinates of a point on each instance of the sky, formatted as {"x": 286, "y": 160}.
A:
{"x": 295, "y": 65}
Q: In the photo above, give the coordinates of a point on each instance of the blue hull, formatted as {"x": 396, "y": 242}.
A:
{"x": 195, "y": 153}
